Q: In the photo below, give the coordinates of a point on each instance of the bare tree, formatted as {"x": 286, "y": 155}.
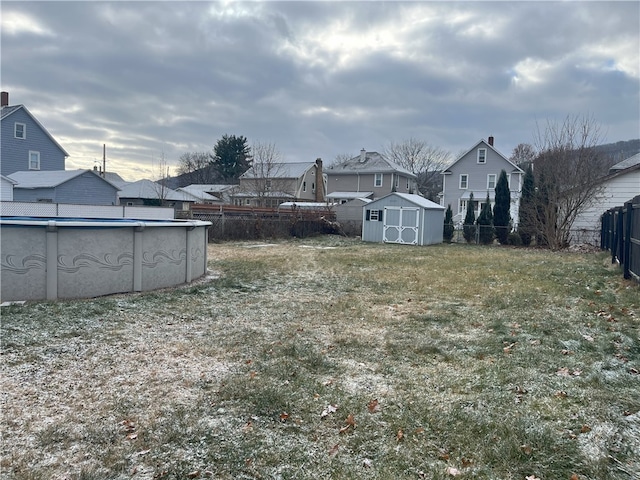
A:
{"x": 197, "y": 167}
{"x": 424, "y": 160}
{"x": 523, "y": 155}
{"x": 162, "y": 171}
{"x": 567, "y": 170}
{"x": 264, "y": 179}
{"x": 341, "y": 159}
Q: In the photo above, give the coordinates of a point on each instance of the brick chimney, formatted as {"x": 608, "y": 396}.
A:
{"x": 4, "y": 99}
{"x": 490, "y": 139}
{"x": 319, "y": 181}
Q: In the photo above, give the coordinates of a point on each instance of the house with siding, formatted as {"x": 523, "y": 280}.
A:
{"x": 477, "y": 172}
{"x": 619, "y": 186}
{"x": 25, "y": 145}
{"x": 148, "y": 193}
{"x": 80, "y": 187}
{"x": 270, "y": 184}
{"x": 6, "y": 189}
{"x": 369, "y": 175}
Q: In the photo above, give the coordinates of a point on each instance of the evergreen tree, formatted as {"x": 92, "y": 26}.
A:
{"x": 526, "y": 211}
{"x": 448, "y": 225}
{"x": 485, "y": 223}
{"x": 232, "y": 157}
{"x": 469, "y": 227}
{"x": 501, "y": 216}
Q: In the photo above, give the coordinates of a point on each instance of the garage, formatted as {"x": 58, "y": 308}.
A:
{"x": 402, "y": 218}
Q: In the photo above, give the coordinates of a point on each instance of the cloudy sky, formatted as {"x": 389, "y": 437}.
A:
{"x": 153, "y": 80}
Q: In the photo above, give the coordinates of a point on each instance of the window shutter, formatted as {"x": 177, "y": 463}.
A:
{"x": 379, "y": 215}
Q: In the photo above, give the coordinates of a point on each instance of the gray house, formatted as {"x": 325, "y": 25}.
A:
{"x": 403, "y": 218}
{"x": 80, "y": 187}
{"x": 369, "y": 174}
{"x": 25, "y": 145}
{"x": 476, "y": 172}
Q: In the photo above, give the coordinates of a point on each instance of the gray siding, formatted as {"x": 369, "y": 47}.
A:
{"x": 85, "y": 189}
{"x": 15, "y": 151}
{"x": 477, "y": 175}
{"x": 430, "y": 225}
{"x": 366, "y": 183}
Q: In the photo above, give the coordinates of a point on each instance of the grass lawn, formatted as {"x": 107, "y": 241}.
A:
{"x": 332, "y": 359}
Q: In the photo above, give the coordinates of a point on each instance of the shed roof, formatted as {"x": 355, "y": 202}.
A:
{"x": 349, "y": 194}
{"x": 151, "y": 190}
{"x": 413, "y": 198}
{"x": 48, "y": 178}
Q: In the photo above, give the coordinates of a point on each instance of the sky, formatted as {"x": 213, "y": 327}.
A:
{"x": 154, "y": 80}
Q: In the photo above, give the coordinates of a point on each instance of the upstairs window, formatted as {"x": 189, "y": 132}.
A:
{"x": 267, "y": 184}
{"x": 491, "y": 181}
{"x": 464, "y": 181}
{"x": 482, "y": 155}
{"x": 20, "y": 130}
{"x": 304, "y": 186}
{"x": 34, "y": 160}
{"x": 377, "y": 181}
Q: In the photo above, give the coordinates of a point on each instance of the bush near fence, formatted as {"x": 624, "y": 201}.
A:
{"x": 229, "y": 222}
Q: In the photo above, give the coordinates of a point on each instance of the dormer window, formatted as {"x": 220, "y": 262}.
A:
{"x": 20, "y": 130}
{"x": 482, "y": 155}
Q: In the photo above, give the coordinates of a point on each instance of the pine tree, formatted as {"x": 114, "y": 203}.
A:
{"x": 526, "y": 211}
{"x": 469, "y": 227}
{"x": 501, "y": 216}
{"x": 232, "y": 157}
{"x": 485, "y": 223}
{"x": 448, "y": 225}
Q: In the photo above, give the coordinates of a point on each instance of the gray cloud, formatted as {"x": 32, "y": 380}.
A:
{"x": 318, "y": 79}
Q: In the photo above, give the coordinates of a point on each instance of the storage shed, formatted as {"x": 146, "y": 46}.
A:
{"x": 403, "y": 218}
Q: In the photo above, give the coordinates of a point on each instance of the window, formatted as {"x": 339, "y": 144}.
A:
{"x": 267, "y": 184}
{"x": 377, "y": 182}
{"x": 313, "y": 187}
{"x": 304, "y": 186}
{"x": 464, "y": 181}
{"x": 482, "y": 155}
{"x": 20, "y": 130}
{"x": 34, "y": 160}
{"x": 509, "y": 180}
{"x": 462, "y": 206}
{"x": 374, "y": 215}
{"x": 491, "y": 180}
{"x": 397, "y": 182}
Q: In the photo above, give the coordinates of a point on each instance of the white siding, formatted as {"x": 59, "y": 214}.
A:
{"x": 615, "y": 192}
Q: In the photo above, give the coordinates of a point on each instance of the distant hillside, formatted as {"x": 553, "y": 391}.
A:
{"x": 616, "y": 152}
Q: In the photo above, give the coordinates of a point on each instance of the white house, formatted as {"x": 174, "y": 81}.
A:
{"x": 619, "y": 186}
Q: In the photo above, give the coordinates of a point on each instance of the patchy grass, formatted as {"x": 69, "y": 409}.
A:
{"x": 329, "y": 358}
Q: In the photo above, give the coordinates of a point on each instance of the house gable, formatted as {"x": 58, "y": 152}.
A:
{"x": 477, "y": 171}
{"x": 25, "y": 140}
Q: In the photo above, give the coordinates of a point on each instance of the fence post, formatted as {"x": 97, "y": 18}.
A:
{"x": 620, "y": 237}
{"x": 627, "y": 239}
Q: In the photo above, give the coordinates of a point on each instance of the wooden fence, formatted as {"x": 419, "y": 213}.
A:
{"x": 231, "y": 222}
{"x": 620, "y": 234}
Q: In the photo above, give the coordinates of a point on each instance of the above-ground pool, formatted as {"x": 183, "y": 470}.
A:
{"x": 49, "y": 259}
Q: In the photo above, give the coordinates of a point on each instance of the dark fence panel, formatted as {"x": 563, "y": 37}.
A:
{"x": 620, "y": 234}
{"x": 230, "y": 222}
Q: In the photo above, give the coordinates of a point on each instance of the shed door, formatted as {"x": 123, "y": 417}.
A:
{"x": 401, "y": 225}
